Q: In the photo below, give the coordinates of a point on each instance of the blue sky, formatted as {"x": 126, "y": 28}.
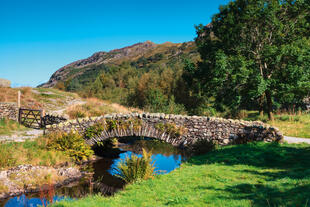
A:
{"x": 37, "y": 37}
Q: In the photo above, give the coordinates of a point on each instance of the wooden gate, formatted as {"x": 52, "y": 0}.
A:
{"x": 31, "y": 118}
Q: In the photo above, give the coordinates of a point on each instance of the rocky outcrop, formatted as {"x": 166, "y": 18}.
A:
{"x": 99, "y": 58}
{"x": 5, "y": 83}
{"x": 175, "y": 129}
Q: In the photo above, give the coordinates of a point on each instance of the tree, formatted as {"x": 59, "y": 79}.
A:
{"x": 256, "y": 52}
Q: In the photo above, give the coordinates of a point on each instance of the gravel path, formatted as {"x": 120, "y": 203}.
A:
{"x": 296, "y": 140}
{"x": 21, "y": 136}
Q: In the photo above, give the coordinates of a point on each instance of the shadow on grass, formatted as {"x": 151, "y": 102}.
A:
{"x": 285, "y": 170}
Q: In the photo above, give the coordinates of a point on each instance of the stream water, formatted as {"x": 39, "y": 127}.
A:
{"x": 102, "y": 177}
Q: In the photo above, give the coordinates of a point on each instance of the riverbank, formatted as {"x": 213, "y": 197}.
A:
{"x": 29, "y": 179}
{"x": 255, "y": 174}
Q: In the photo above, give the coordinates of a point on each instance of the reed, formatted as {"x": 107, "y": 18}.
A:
{"x": 136, "y": 168}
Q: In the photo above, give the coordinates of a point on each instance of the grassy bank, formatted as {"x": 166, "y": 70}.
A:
{"x": 30, "y": 152}
{"x": 8, "y": 127}
{"x": 295, "y": 125}
{"x": 244, "y": 175}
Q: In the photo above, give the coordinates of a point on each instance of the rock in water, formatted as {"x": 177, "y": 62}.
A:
{"x": 5, "y": 83}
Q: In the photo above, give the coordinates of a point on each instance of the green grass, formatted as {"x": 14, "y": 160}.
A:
{"x": 8, "y": 127}
{"x": 297, "y": 125}
{"x": 256, "y": 174}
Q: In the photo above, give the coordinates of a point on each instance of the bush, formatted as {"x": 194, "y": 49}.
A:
{"x": 71, "y": 144}
{"x": 135, "y": 168}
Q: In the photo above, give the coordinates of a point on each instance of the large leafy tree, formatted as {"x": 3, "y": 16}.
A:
{"x": 256, "y": 52}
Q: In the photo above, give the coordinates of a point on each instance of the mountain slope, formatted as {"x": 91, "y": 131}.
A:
{"x": 139, "y": 55}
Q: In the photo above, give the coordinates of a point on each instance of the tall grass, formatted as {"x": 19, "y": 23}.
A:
{"x": 95, "y": 107}
{"x": 136, "y": 168}
{"x": 28, "y": 99}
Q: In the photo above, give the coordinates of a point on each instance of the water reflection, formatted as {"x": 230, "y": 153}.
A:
{"x": 102, "y": 180}
{"x": 23, "y": 201}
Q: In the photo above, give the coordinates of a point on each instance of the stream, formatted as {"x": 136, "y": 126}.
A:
{"x": 101, "y": 173}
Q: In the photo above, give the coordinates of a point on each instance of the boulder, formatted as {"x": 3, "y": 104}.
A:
{"x": 5, "y": 83}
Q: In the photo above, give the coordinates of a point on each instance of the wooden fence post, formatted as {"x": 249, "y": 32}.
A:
{"x": 19, "y": 115}
{"x": 18, "y": 99}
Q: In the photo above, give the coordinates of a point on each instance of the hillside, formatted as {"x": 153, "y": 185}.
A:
{"x": 140, "y": 55}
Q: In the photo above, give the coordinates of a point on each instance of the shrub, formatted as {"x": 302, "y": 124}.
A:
{"x": 71, "y": 144}
{"x": 136, "y": 168}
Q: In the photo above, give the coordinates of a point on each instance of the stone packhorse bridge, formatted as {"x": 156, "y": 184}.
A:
{"x": 175, "y": 129}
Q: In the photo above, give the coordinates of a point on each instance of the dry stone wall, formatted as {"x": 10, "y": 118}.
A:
{"x": 9, "y": 110}
{"x": 192, "y": 128}
{"x": 5, "y": 83}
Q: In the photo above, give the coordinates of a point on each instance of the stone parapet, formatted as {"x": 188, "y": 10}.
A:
{"x": 194, "y": 128}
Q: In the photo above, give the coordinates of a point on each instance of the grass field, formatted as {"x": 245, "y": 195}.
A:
{"x": 295, "y": 125}
{"x": 256, "y": 174}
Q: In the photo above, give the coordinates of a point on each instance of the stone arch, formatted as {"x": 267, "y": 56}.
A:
{"x": 160, "y": 126}
{"x": 143, "y": 130}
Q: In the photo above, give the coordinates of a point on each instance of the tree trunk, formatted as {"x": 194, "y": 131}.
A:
{"x": 269, "y": 104}
{"x": 261, "y": 105}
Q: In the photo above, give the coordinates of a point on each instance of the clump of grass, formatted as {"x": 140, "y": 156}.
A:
{"x": 7, "y": 127}
{"x": 136, "y": 168}
{"x": 90, "y": 109}
{"x": 96, "y": 107}
{"x": 72, "y": 144}
{"x": 77, "y": 111}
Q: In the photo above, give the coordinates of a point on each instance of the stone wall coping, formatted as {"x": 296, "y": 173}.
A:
{"x": 167, "y": 117}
